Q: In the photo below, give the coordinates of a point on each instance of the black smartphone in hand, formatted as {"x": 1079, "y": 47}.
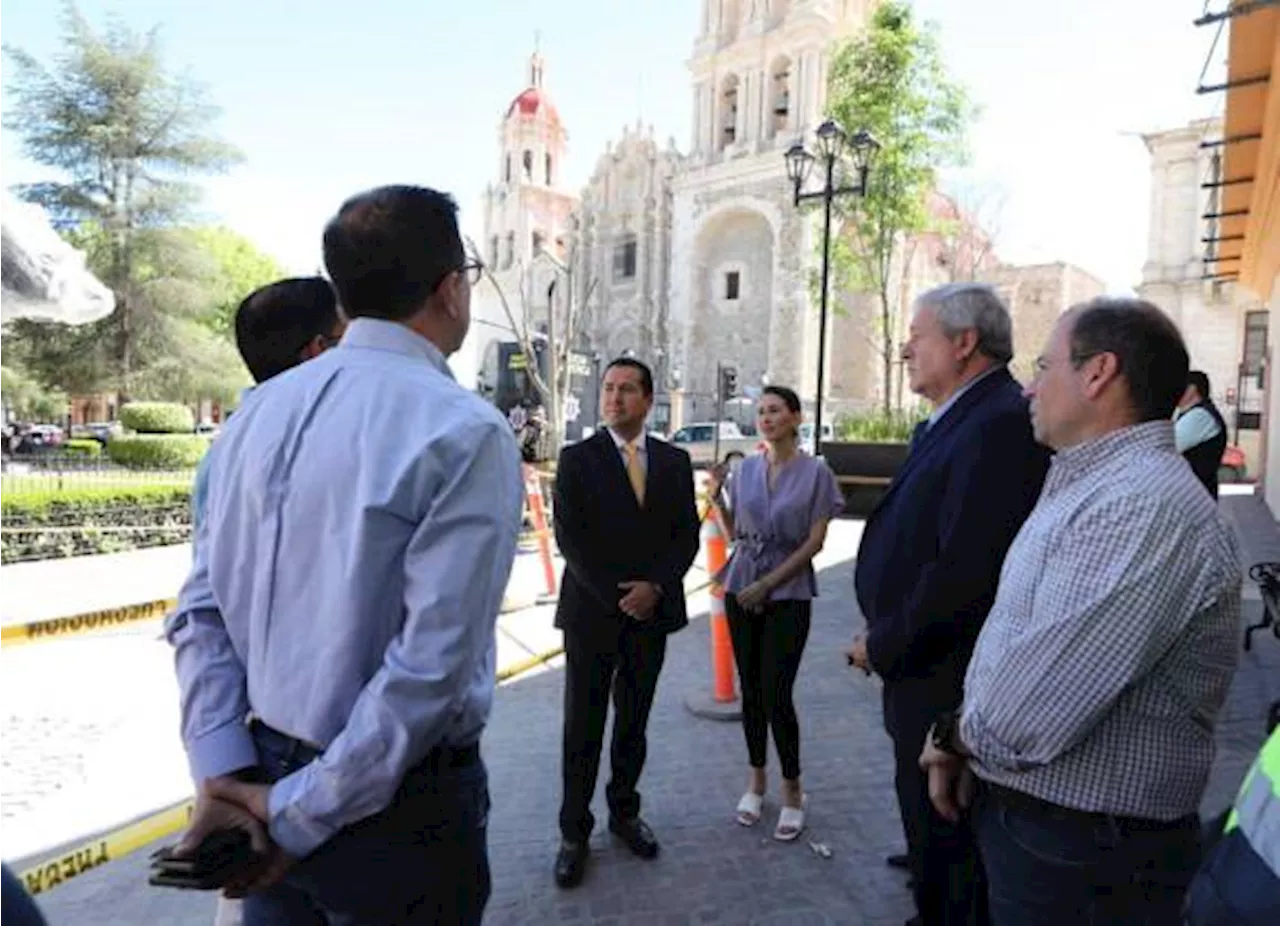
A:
{"x": 220, "y": 856}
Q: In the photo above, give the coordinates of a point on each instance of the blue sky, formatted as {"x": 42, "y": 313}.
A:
{"x": 326, "y": 98}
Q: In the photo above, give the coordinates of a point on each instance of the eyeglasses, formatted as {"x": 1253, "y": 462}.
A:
{"x": 473, "y": 269}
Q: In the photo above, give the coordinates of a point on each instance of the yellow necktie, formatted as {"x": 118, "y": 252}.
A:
{"x": 635, "y": 472}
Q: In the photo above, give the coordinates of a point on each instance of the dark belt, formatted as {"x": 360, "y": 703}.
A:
{"x": 301, "y": 752}
{"x": 1027, "y": 803}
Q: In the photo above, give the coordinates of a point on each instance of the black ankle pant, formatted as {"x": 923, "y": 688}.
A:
{"x": 767, "y": 645}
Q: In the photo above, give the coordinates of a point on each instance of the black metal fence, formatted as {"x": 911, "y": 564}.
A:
{"x": 64, "y": 505}
{"x": 67, "y": 472}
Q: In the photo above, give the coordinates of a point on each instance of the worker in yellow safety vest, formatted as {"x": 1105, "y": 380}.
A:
{"x": 1239, "y": 881}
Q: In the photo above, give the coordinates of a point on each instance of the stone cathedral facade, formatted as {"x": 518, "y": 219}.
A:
{"x": 687, "y": 258}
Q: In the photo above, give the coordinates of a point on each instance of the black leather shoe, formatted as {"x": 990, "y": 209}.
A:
{"x": 899, "y": 861}
{"x": 637, "y": 836}
{"x": 571, "y": 863}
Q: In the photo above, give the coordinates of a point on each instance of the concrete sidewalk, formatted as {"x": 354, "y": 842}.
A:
{"x": 711, "y": 870}
{"x": 53, "y": 588}
{"x": 80, "y": 711}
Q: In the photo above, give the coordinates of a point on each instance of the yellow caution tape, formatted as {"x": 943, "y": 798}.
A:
{"x": 121, "y": 842}
{"x": 84, "y": 623}
{"x": 107, "y": 848}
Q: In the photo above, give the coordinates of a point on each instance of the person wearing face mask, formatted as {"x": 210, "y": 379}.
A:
{"x": 783, "y": 500}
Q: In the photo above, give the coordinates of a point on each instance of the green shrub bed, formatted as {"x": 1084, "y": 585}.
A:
{"x": 157, "y": 451}
{"x": 88, "y": 520}
{"x": 80, "y": 448}
{"x": 157, "y": 418}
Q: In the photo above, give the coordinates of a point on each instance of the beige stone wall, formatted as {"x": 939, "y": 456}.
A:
{"x": 628, "y": 199}
{"x": 1036, "y": 295}
{"x": 1210, "y": 314}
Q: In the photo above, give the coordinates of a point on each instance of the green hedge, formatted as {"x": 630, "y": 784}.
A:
{"x": 79, "y": 447}
{"x": 82, "y": 521}
{"x": 157, "y": 418}
{"x": 877, "y": 427}
{"x": 157, "y": 451}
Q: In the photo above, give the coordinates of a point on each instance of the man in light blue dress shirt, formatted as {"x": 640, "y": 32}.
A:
{"x": 335, "y": 639}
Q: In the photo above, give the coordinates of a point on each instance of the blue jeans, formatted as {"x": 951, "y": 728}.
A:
{"x": 1234, "y": 887}
{"x": 16, "y": 905}
{"x": 423, "y": 860}
{"x": 1053, "y": 866}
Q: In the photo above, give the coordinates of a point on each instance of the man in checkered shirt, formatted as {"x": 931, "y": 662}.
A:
{"x": 1091, "y": 700}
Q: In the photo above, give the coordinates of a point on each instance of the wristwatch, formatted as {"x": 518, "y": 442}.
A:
{"x": 946, "y": 733}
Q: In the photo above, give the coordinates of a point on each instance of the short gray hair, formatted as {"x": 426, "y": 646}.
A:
{"x": 965, "y": 305}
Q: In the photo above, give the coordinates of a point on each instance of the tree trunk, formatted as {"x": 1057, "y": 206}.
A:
{"x": 887, "y": 345}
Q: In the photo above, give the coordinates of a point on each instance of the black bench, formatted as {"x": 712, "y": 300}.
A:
{"x": 1267, "y": 575}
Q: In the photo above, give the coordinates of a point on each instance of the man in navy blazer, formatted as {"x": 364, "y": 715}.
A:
{"x": 931, "y": 555}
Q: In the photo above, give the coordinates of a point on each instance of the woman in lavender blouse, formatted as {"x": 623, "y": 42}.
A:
{"x": 782, "y": 502}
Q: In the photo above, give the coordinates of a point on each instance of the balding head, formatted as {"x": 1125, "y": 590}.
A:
{"x": 1110, "y": 363}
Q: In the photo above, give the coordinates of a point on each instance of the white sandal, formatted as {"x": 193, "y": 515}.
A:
{"x": 750, "y": 808}
{"x": 791, "y": 822}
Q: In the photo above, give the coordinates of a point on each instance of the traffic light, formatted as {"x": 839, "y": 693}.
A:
{"x": 728, "y": 383}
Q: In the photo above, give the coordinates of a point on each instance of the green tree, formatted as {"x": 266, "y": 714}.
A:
{"x": 234, "y": 267}
{"x": 123, "y": 133}
{"x": 28, "y": 400}
{"x": 891, "y": 81}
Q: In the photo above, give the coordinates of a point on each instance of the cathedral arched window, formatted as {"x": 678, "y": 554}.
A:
{"x": 547, "y": 165}
{"x": 729, "y": 111}
{"x": 778, "y": 117}
{"x": 506, "y": 173}
{"x": 528, "y": 166}
{"x": 510, "y": 257}
{"x": 624, "y": 258}
{"x": 493, "y": 251}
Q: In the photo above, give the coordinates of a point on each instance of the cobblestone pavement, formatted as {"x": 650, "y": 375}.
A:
{"x": 711, "y": 870}
{"x": 79, "y": 710}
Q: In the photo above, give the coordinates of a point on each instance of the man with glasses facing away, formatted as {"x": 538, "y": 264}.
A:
{"x": 335, "y": 639}
{"x": 1091, "y": 699}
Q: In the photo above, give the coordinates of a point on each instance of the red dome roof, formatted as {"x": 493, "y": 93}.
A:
{"x": 533, "y": 102}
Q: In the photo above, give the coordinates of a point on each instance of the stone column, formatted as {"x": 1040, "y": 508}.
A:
{"x": 644, "y": 275}
{"x": 812, "y": 88}
{"x": 710, "y": 136}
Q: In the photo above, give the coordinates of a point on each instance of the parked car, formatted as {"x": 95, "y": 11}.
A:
{"x": 806, "y": 435}
{"x": 699, "y": 440}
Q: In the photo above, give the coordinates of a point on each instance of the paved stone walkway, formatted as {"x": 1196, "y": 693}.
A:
{"x": 79, "y": 709}
{"x": 711, "y": 870}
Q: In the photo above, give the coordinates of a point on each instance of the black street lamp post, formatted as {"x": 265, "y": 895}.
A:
{"x": 832, "y": 143}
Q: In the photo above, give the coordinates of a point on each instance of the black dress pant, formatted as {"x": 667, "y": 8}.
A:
{"x": 624, "y": 661}
{"x": 767, "y": 646}
{"x": 950, "y": 885}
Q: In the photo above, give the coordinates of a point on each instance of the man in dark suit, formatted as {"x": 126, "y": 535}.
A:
{"x": 930, "y": 559}
{"x": 627, "y": 525}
